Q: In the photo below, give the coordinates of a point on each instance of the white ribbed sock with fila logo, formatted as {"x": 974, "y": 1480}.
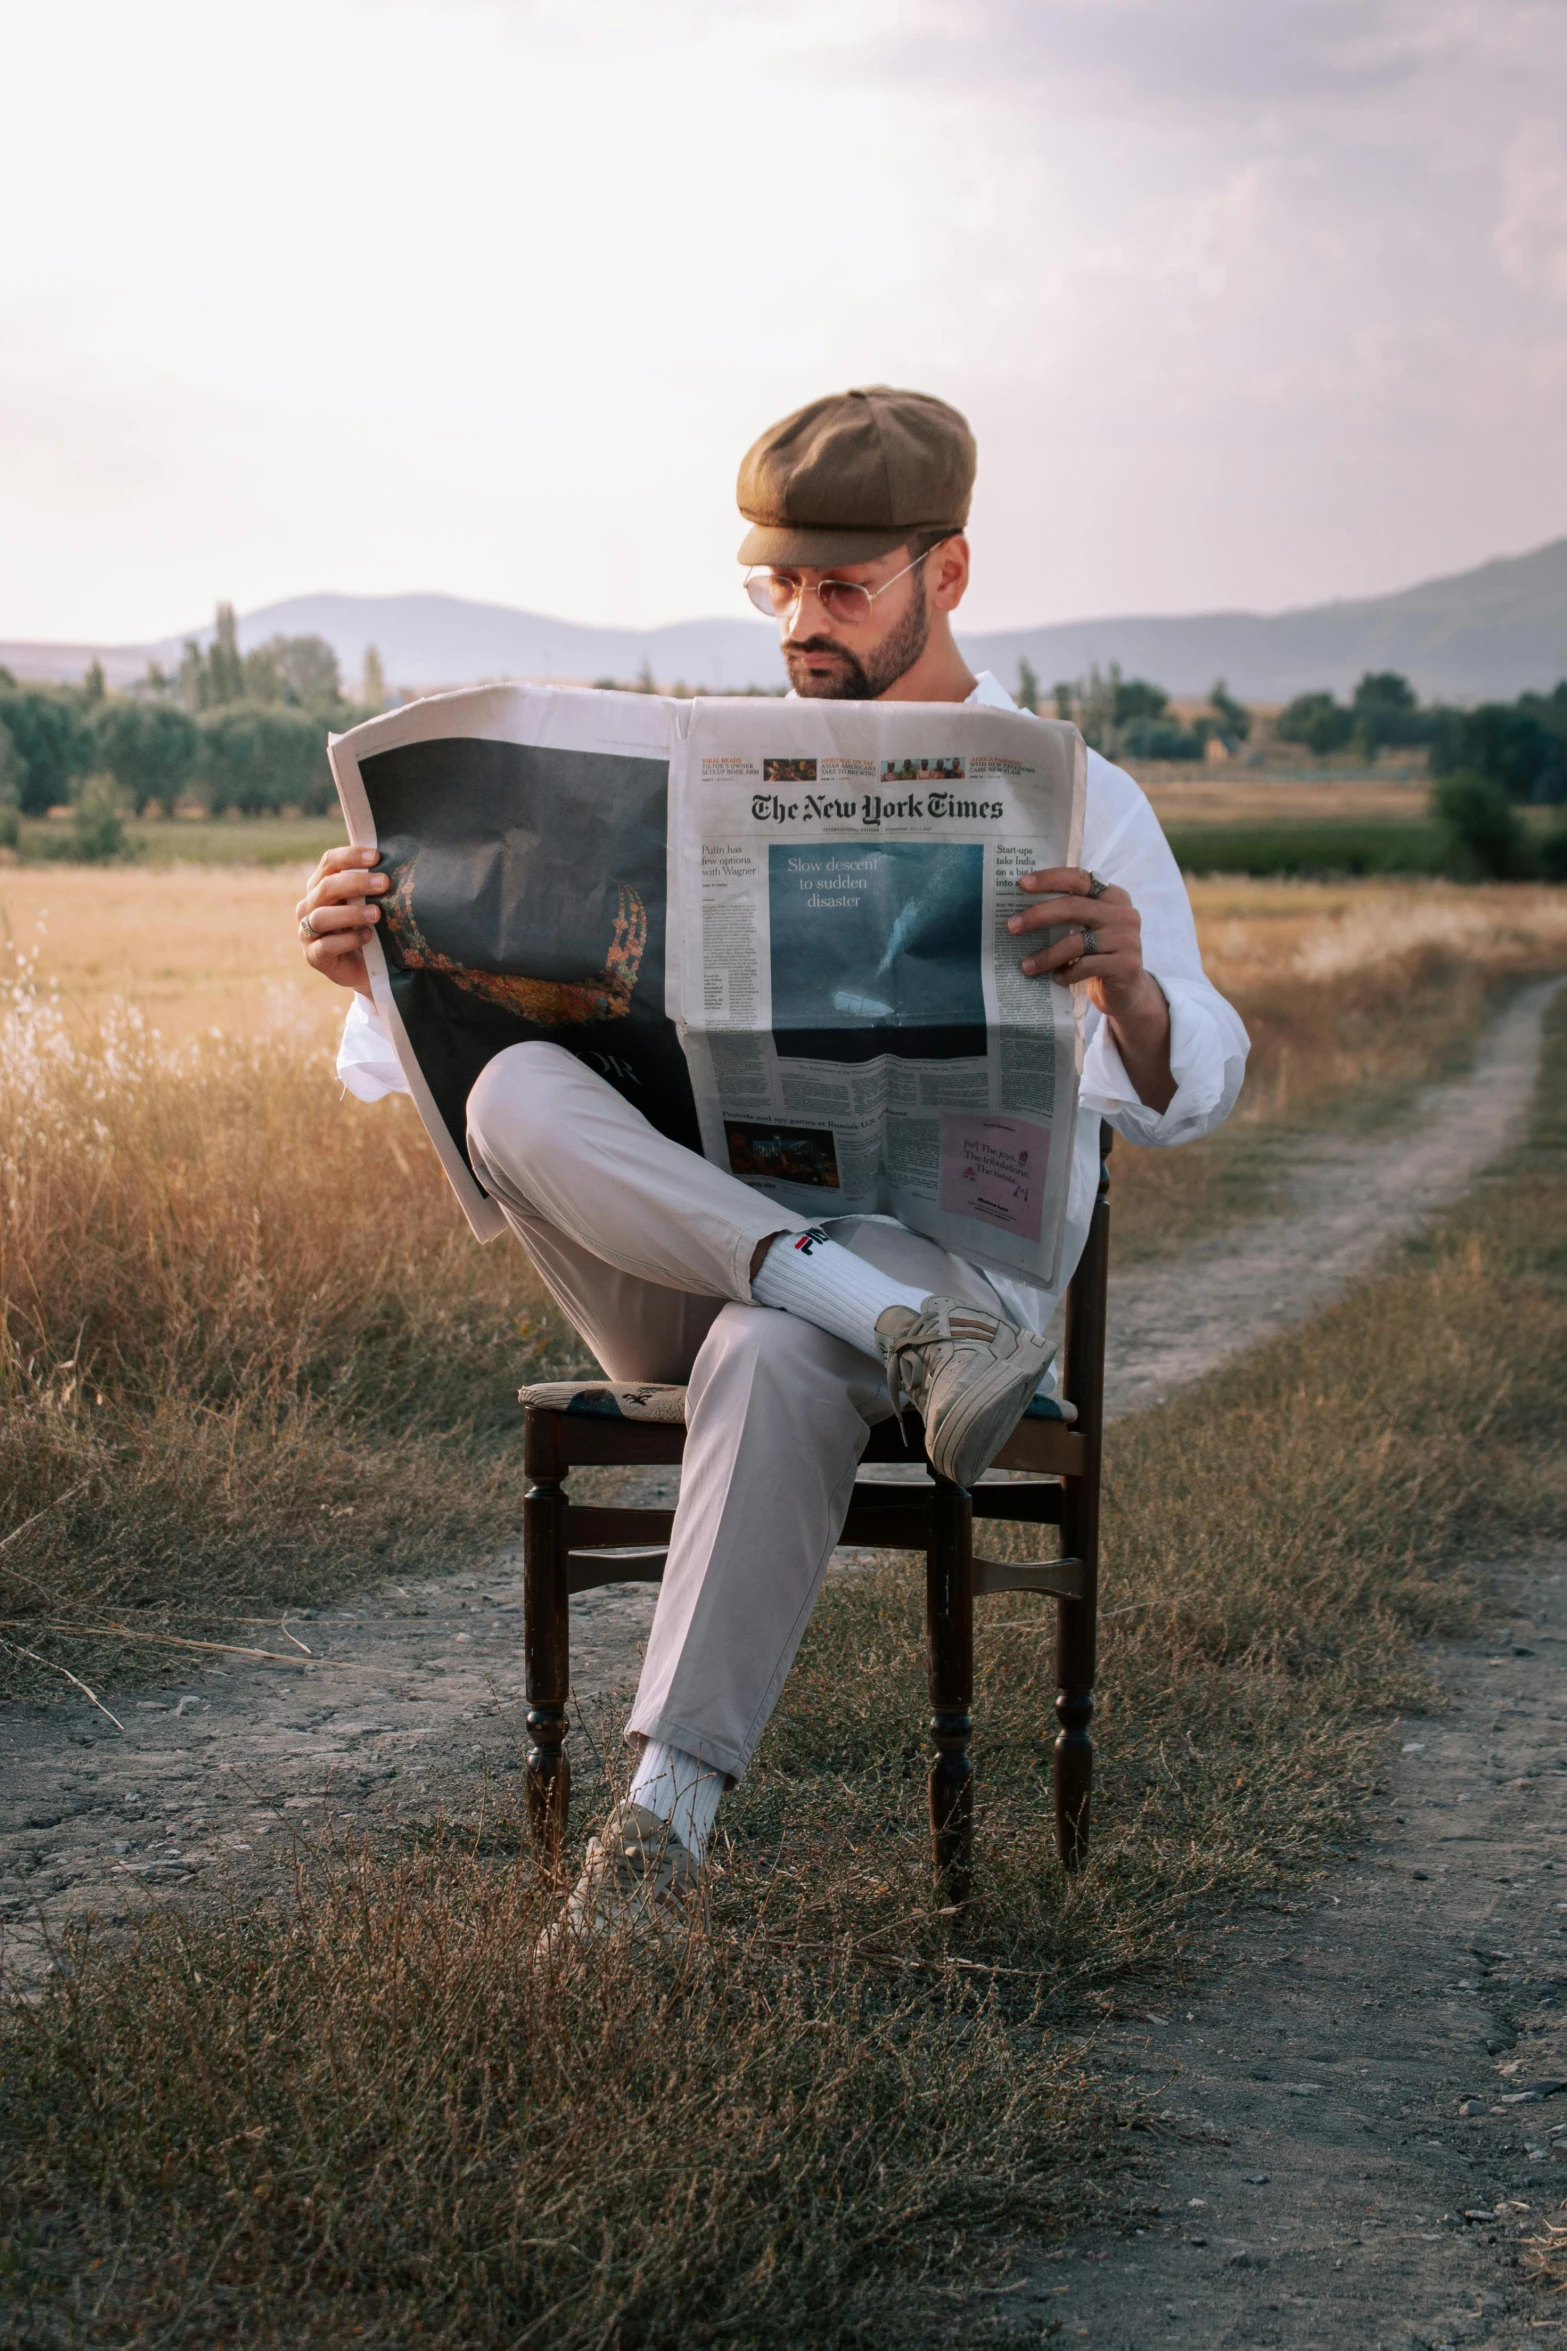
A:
{"x": 818, "y": 1279}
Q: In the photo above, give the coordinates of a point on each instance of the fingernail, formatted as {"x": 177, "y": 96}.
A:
{"x": 1015, "y": 922}
{"x": 378, "y": 881}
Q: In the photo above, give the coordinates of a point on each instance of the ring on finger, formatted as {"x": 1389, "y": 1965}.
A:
{"x": 307, "y": 928}
{"x": 1090, "y": 944}
{"x": 1096, "y": 886}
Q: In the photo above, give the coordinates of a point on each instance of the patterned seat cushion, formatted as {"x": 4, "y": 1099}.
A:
{"x": 608, "y": 1400}
{"x": 625, "y": 1400}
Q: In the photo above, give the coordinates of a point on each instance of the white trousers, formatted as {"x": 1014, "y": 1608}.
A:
{"x": 647, "y": 1249}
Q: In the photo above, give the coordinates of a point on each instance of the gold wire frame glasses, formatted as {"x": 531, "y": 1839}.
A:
{"x": 779, "y": 593}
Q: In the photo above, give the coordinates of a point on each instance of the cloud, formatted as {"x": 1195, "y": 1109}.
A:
{"x": 1531, "y": 236}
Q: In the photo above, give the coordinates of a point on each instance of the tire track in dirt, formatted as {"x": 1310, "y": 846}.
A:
{"x": 1349, "y": 1199}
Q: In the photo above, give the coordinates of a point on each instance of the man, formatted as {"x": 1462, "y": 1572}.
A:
{"x": 792, "y": 1340}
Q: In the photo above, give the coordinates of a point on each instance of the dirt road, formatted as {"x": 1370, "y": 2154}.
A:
{"x": 1364, "y": 2105}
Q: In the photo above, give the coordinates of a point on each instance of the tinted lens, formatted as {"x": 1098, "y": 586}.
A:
{"x": 842, "y": 600}
{"x": 769, "y": 593}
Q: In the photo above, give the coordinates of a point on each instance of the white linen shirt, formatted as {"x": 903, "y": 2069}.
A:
{"x": 1122, "y": 843}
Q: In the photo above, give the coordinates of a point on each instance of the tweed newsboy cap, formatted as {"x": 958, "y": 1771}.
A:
{"x": 848, "y": 478}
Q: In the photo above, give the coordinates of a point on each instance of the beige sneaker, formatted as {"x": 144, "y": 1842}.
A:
{"x": 637, "y": 1880}
{"x": 968, "y": 1375}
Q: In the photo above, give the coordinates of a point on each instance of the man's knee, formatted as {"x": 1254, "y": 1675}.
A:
{"x": 757, "y": 1360}
{"x": 513, "y": 1102}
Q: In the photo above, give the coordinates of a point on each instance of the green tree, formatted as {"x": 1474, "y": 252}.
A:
{"x": 260, "y": 757}
{"x": 645, "y": 681}
{"x": 93, "y": 686}
{"x": 1386, "y": 710}
{"x": 1027, "y": 685}
{"x": 149, "y": 748}
{"x": 52, "y": 742}
{"x": 1234, "y": 718}
{"x": 1096, "y": 696}
{"x": 98, "y": 821}
{"x": 372, "y": 684}
{"x": 1160, "y": 738}
{"x": 224, "y": 667}
{"x": 1508, "y": 745}
{"x": 1317, "y": 721}
{"x": 299, "y": 670}
{"x": 1486, "y": 835}
{"x": 1064, "y": 695}
{"x": 1133, "y": 698}
{"x": 11, "y": 773}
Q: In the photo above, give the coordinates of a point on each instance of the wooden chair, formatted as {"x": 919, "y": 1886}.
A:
{"x": 576, "y": 1547}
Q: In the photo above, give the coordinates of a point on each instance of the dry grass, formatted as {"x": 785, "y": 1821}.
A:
{"x": 245, "y": 1345}
{"x": 1182, "y": 796}
{"x": 1354, "y": 995}
{"x": 250, "y": 1352}
{"x": 367, "y": 2122}
{"x": 192, "y": 950}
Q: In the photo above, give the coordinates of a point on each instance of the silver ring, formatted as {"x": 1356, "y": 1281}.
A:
{"x": 1090, "y": 944}
{"x": 1096, "y": 887}
{"x": 307, "y": 929}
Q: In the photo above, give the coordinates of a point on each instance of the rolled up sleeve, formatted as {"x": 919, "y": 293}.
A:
{"x": 367, "y": 1061}
{"x": 1122, "y": 842}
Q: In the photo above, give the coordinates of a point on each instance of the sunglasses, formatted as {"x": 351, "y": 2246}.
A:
{"x": 780, "y": 593}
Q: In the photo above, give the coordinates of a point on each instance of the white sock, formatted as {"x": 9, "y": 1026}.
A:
{"x": 818, "y": 1279}
{"x": 680, "y": 1789}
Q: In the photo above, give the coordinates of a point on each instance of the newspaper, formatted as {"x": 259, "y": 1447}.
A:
{"x": 779, "y": 928}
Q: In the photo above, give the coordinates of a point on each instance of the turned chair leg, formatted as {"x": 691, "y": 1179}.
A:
{"x": 546, "y": 1638}
{"x": 949, "y": 1609}
{"x": 1074, "y": 1771}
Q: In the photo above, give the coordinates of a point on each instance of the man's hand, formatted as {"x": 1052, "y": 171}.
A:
{"x": 336, "y": 904}
{"x": 1132, "y": 1002}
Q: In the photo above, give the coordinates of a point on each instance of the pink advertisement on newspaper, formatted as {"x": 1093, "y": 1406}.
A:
{"x": 993, "y": 1170}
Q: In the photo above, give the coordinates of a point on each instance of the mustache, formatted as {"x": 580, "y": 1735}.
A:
{"x": 817, "y": 645}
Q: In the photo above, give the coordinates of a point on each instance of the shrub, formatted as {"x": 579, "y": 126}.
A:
{"x": 258, "y": 758}
{"x": 1486, "y": 833}
{"x": 149, "y": 748}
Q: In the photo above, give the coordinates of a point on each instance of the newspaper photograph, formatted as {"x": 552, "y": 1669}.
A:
{"x": 778, "y": 928}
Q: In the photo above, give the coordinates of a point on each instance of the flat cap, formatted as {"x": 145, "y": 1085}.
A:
{"x": 847, "y": 478}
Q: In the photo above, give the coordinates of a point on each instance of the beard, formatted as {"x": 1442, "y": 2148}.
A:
{"x": 861, "y": 680}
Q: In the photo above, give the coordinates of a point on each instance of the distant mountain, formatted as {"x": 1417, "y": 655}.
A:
{"x": 1491, "y": 631}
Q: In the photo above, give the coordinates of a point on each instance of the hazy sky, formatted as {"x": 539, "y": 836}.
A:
{"x": 1251, "y": 302}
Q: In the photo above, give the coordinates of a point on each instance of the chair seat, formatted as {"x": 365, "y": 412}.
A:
{"x": 630, "y": 1400}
